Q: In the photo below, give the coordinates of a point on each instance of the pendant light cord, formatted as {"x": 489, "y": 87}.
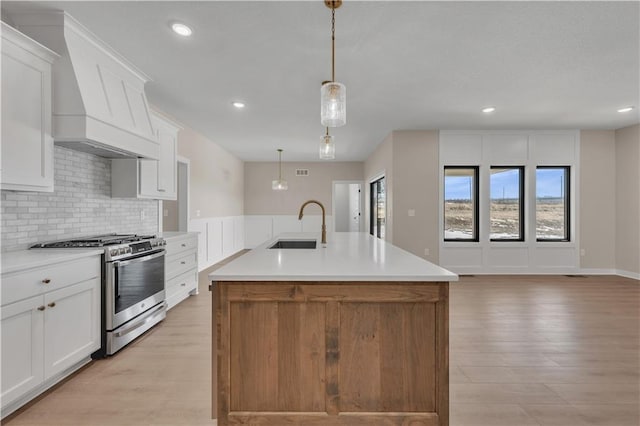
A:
{"x": 333, "y": 44}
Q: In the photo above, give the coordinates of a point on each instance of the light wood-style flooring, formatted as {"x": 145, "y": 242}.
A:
{"x": 524, "y": 350}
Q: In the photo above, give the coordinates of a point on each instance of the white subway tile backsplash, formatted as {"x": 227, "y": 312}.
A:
{"x": 80, "y": 205}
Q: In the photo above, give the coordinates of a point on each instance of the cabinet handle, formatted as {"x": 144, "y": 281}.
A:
{"x": 46, "y": 281}
{"x": 183, "y": 245}
{"x": 52, "y": 304}
{"x": 162, "y": 190}
{"x": 41, "y": 308}
{"x": 183, "y": 263}
{"x": 183, "y": 284}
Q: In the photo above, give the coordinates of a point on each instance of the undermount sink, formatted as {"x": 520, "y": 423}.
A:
{"x": 294, "y": 244}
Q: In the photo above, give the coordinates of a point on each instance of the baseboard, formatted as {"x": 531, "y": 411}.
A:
{"x": 627, "y": 274}
{"x": 597, "y": 271}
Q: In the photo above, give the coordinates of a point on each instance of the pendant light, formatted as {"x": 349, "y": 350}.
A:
{"x": 327, "y": 147}
{"x": 280, "y": 184}
{"x": 333, "y": 95}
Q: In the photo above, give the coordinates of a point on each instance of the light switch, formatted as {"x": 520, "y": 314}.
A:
{"x": 412, "y": 212}
{"x": 166, "y": 212}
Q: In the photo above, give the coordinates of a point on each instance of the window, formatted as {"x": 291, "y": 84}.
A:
{"x": 377, "y": 222}
{"x": 552, "y": 203}
{"x": 506, "y": 212}
{"x": 461, "y": 203}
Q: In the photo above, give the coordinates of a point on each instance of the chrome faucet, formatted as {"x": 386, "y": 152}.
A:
{"x": 324, "y": 226}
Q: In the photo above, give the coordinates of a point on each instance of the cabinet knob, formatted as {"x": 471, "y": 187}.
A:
{"x": 183, "y": 245}
{"x": 183, "y": 262}
{"x": 41, "y": 308}
{"x": 52, "y": 304}
{"x": 46, "y": 281}
{"x": 183, "y": 284}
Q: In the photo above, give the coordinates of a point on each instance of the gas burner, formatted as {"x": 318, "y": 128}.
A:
{"x": 96, "y": 241}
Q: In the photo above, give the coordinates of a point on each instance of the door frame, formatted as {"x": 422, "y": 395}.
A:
{"x": 361, "y": 224}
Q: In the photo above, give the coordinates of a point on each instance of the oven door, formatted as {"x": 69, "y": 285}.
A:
{"x": 133, "y": 286}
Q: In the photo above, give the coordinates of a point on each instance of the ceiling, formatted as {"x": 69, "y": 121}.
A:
{"x": 406, "y": 65}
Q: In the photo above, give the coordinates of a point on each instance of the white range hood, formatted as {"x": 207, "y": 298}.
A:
{"x": 99, "y": 104}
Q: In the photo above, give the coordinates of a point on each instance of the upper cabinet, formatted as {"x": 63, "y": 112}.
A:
{"x": 155, "y": 179}
{"x": 27, "y": 142}
{"x": 99, "y": 100}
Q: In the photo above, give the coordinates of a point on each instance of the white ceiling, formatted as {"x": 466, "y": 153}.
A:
{"x": 406, "y": 65}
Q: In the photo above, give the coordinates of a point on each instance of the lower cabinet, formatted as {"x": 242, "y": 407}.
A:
{"x": 46, "y": 335}
{"x": 181, "y": 268}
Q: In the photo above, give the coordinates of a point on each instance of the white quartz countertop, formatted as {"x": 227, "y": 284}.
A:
{"x": 348, "y": 256}
{"x": 171, "y": 234}
{"x": 20, "y": 260}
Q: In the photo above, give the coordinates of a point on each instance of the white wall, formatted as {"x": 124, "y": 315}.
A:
{"x": 529, "y": 149}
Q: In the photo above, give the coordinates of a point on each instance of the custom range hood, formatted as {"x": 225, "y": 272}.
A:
{"x": 99, "y": 104}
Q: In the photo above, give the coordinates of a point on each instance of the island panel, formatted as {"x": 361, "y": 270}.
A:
{"x": 332, "y": 353}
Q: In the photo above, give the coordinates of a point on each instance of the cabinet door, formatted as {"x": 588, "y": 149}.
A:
{"x": 72, "y": 325}
{"x": 27, "y": 142}
{"x": 22, "y": 348}
{"x": 158, "y": 179}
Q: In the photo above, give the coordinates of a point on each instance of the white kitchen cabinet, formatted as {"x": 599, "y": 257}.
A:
{"x": 27, "y": 141}
{"x": 22, "y": 348}
{"x": 181, "y": 267}
{"x": 71, "y": 325}
{"x": 51, "y": 324}
{"x": 153, "y": 179}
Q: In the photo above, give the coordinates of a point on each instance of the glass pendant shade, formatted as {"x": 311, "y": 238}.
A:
{"x": 327, "y": 147}
{"x": 279, "y": 185}
{"x": 333, "y": 104}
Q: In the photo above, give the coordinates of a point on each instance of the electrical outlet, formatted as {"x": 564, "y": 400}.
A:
{"x": 142, "y": 214}
{"x": 426, "y": 252}
{"x": 166, "y": 212}
{"x": 583, "y": 252}
{"x": 197, "y": 213}
{"x": 412, "y": 212}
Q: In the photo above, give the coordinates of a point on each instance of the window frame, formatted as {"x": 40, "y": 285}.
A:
{"x": 373, "y": 206}
{"x": 476, "y": 204}
{"x": 521, "y": 205}
{"x": 567, "y": 206}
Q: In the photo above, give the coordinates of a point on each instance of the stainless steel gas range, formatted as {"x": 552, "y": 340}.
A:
{"x": 133, "y": 297}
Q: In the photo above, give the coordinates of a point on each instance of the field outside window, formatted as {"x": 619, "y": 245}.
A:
{"x": 552, "y": 203}
{"x": 506, "y": 203}
{"x": 461, "y": 203}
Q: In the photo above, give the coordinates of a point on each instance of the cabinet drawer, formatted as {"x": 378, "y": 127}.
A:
{"x": 177, "y": 245}
{"x": 20, "y": 285}
{"x": 180, "y": 264}
{"x": 186, "y": 281}
{"x": 178, "y": 288}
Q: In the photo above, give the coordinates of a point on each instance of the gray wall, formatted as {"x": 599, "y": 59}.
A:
{"x": 598, "y": 199}
{"x": 80, "y": 205}
{"x": 628, "y": 199}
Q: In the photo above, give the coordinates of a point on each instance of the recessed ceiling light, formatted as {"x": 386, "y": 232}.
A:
{"x": 238, "y": 104}
{"x": 626, "y": 109}
{"x": 181, "y": 29}
{"x": 487, "y": 110}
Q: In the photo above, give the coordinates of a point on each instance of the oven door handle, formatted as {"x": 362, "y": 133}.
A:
{"x": 139, "y": 259}
{"x": 149, "y": 316}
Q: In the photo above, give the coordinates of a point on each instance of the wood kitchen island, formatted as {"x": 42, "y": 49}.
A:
{"x": 354, "y": 333}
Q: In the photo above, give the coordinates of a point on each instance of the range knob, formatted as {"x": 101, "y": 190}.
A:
{"x": 114, "y": 252}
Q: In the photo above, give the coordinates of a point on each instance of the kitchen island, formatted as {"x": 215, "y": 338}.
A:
{"x": 351, "y": 333}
